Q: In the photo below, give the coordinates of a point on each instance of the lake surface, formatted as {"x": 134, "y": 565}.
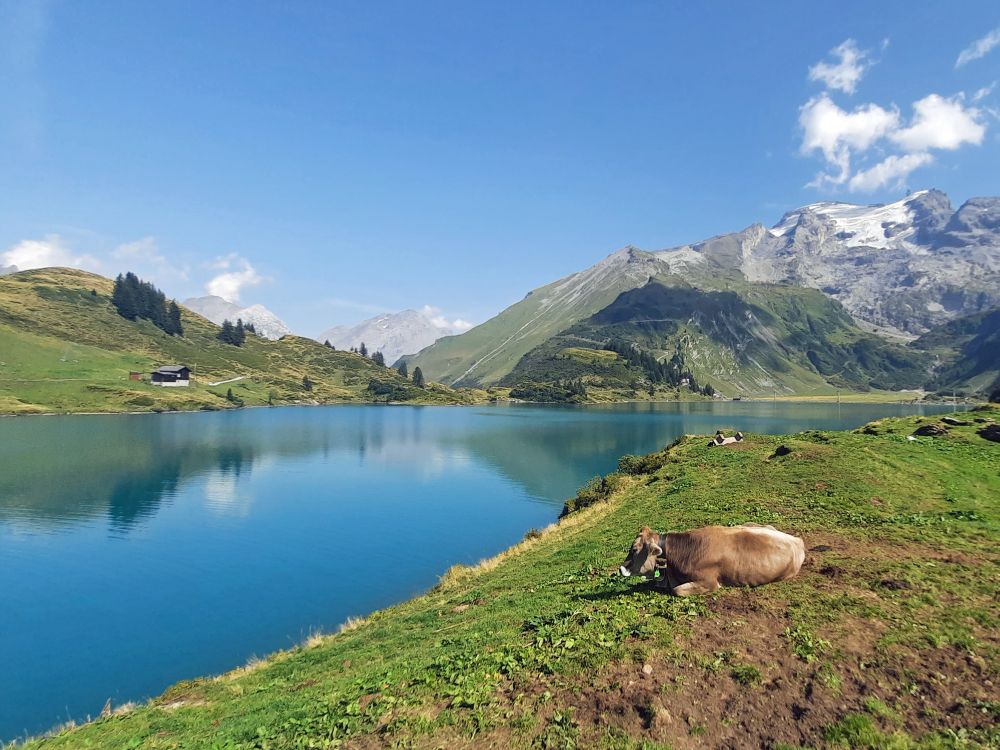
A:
{"x": 136, "y": 551}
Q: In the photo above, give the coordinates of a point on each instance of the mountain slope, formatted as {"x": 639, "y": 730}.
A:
{"x": 751, "y": 339}
{"x": 489, "y": 351}
{"x": 393, "y": 334}
{"x": 63, "y": 347}
{"x": 898, "y": 270}
{"x": 217, "y": 310}
{"x": 968, "y": 349}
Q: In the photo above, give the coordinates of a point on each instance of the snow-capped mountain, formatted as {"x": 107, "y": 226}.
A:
{"x": 5, "y": 270}
{"x": 217, "y": 309}
{"x": 899, "y": 268}
{"x": 393, "y": 334}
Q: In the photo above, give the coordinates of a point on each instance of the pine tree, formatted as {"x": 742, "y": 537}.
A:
{"x": 225, "y": 334}
{"x": 378, "y": 358}
{"x": 418, "y": 377}
{"x": 239, "y": 333}
{"x": 229, "y": 395}
{"x": 403, "y": 371}
{"x": 174, "y": 327}
{"x": 363, "y": 350}
{"x": 307, "y": 383}
{"x": 328, "y": 345}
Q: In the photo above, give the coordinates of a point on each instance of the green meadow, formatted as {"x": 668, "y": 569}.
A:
{"x": 64, "y": 348}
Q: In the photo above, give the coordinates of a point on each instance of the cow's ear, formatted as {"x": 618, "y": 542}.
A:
{"x": 645, "y": 530}
{"x": 655, "y": 550}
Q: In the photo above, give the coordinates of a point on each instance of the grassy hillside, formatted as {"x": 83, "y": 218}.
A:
{"x": 889, "y": 638}
{"x": 969, "y": 352}
{"x": 64, "y": 348}
{"x": 489, "y": 351}
{"x": 749, "y": 340}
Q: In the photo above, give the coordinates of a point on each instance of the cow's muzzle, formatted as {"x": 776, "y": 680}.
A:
{"x": 624, "y": 571}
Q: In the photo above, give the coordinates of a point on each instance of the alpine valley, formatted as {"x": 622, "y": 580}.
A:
{"x": 833, "y": 296}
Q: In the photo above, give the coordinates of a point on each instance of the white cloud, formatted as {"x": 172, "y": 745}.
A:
{"x": 237, "y": 274}
{"x": 51, "y": 251}
{"x": 440, "y": 321}
{"x": 891, "y": 171}
{"x": 940, "y": 123}
{"x": 837, "y": 133}
{"x": 145, "y": 258}
{"x": 845, "y": 74}
{"x": 871, "y": 146}
{"x": 144, "y": 249}
{"x": 979, "y": 48}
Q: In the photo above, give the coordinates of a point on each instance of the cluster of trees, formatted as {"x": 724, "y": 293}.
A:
{"x": 134, "y": 299}
{"x": 235, "y": 335}
{"x": 671, "y": 372}
{"x": 558, "y": 391}
{"x": 418, "y": 374}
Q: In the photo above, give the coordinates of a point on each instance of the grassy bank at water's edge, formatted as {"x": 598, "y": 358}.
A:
{"x": 888, "y": 638}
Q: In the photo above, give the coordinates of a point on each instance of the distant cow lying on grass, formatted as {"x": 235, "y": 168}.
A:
{"x": 721, "y": 439}
{"x": 701, "y": 560}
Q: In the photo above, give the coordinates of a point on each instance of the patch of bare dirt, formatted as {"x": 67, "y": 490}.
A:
{"x": 709, "y": 697}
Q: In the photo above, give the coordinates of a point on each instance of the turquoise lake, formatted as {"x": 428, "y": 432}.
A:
{"x": 139, "y": 550}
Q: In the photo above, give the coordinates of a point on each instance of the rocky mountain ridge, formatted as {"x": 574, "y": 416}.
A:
{"x": 217, "y": 309}
{"x": 393, "y": 334}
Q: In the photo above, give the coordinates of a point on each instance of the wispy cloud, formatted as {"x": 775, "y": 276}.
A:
{"x": 434, "y": 314}
{"x": 850, "y": 66}
{"x": 979, "y": 48}
{"x": 51, "y": 251}
{"x": 237, "y": 274}
{"x": 145, "y": 257}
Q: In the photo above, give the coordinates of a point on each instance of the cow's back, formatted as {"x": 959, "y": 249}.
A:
{"x": 736, "y": 556}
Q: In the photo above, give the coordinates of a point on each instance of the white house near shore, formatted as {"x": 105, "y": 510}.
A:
{"x": 171, "y": 376}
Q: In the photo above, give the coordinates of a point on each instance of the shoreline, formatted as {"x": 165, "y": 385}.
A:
{"x": 790, "y": 399}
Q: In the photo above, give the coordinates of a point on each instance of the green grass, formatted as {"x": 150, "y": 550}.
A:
{"x": 63, "y": 348}
{"x": 887, "y": 639}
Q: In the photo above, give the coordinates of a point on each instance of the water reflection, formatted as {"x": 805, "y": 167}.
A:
{"x": 64, "y": 471}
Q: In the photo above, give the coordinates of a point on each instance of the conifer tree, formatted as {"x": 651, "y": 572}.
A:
{"x": 403, "y": 371}
{"x": 225, "y": 334}
{"x": 328, "y": 345}
{"x": 363, "y": 350}
{"x": 307, "y": 383}
{"x": 174, "y": 320}
{"x": 378, "y": 358}
{"x": 418, "y": 377}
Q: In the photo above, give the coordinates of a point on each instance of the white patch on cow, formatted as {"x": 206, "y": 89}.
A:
{"x": 624, "y": 571}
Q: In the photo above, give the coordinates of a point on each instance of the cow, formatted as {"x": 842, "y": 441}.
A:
{"x": 721, "y": 439}
{"x": 701, "y": 560}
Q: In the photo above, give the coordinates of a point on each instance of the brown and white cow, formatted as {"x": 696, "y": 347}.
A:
{"x": 701, "y": 560}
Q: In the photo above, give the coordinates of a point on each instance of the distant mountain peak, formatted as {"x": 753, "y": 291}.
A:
{"x": 217, "y": 309}
{"x": 393, "y": 334}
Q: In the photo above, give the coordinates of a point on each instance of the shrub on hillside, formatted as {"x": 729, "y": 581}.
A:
{"x": 595, "y": 491}
{"x": 629, "y": 464}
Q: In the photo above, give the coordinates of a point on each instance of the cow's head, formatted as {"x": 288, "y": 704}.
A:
{"x": 641, "y": 560}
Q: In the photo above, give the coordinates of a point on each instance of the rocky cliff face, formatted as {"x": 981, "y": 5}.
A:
{"x": 217, "y": 309}
{"x": 899, "y": 268}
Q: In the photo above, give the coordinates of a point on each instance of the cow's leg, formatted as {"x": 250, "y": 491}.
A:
{"x": 696, "y": 587}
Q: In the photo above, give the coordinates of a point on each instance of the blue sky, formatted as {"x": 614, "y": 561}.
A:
{"x": 332, "y": 160}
